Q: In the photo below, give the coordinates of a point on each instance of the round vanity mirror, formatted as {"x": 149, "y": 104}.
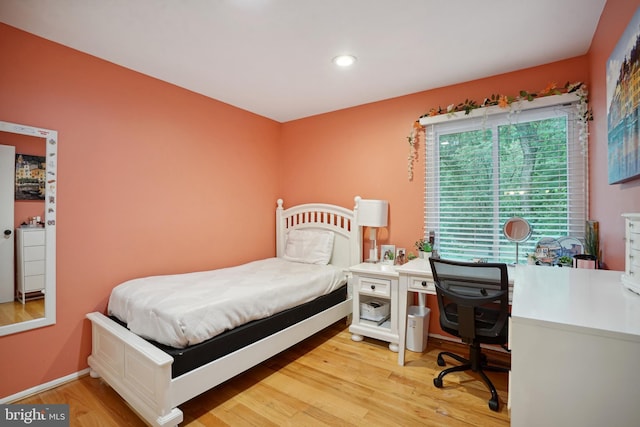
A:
{"x": 518, "y": 230}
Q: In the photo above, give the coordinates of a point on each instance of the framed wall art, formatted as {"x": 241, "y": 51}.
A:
{"x": 623, "y": 105}
{"x": 30, "y": 177}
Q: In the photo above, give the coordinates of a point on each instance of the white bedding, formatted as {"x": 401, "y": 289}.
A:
{"x": 185, "y": 309}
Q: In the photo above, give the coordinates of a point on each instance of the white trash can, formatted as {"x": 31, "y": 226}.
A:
{"x": 417, "y": 328}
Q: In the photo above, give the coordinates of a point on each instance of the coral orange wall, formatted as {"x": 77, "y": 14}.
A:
{"x": 363, "y": 150}
{"x": 607, "y": 202}
{"x": 152, "y": 179}
{"x": 149, "y": 172}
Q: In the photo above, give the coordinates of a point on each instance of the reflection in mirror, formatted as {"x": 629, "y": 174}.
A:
{"x": 28, "y": 182}
{"x": 517, "y": 230}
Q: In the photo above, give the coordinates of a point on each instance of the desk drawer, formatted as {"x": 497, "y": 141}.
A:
{"x": 422, "y": 284}
{"x": 372, "y": 286}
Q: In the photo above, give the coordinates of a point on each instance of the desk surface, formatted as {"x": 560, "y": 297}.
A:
{"x": 572, "y": 297}
{"x": 421, "y": 266}
{"x": 573, "y": 331}
{"x": 576, "y": 298}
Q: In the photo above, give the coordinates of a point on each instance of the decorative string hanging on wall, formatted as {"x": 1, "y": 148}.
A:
{"x": 515, "y": 103}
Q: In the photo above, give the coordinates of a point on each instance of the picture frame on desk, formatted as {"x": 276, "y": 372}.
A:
{"x": 387, "y": 254}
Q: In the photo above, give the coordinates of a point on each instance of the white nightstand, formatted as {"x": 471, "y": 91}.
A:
{"x": 375, "y": 285}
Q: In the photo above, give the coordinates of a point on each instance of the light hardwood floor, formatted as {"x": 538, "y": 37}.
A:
{"x": 327, "y": 380}
{"x": 15, "y": 311}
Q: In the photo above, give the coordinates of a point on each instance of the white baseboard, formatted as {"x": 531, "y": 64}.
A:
{"x": 43, "y": 387}
{"x": 445, "y": 338}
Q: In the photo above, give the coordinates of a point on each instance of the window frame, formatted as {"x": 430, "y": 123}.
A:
{"x": 538, "y": 109}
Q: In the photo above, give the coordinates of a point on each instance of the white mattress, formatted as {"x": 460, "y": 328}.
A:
{"x": 185, "y": 309}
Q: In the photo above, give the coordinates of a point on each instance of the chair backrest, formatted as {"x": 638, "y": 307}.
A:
{"x": 473, "y": 298}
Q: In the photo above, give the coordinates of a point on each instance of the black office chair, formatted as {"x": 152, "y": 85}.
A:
{"x": 474, "y": 305}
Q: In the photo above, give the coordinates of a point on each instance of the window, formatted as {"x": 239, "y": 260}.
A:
{"x": 482, "y": 170}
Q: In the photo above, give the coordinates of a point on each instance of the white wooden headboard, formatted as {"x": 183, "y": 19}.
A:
{"x": 347, "y": 246}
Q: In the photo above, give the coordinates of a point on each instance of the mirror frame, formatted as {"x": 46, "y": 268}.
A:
{"x": 51, "y": 142}
{"x": 514, "y": 219}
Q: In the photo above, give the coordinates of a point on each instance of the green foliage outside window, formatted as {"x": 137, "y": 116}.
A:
{"x": 488, "y": 175}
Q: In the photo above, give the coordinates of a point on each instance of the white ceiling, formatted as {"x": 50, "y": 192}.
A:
{"x": 273, "y": 57}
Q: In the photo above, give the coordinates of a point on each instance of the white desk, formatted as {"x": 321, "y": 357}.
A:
{"x": 575, "y": 349}
{"x": 575, "y": 345}
{"x": 416, "y": 277}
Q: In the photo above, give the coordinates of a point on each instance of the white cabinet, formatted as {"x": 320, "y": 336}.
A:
{"x": 631, "y": 276}
{"x": 575, "y": 346}
{"x": 375, "y": 293}
{"x": 30, "y": 259}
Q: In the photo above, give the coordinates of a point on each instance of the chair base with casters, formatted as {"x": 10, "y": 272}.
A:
{"x": 473, "y": 300}
{"x": 477, "y": 362}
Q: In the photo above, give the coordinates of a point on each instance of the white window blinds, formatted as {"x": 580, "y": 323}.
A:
{"x": 482, "y": 170}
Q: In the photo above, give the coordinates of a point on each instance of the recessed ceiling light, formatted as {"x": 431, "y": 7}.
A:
{"x": 344, "y": 60}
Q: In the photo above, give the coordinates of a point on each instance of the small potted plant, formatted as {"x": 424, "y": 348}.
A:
{"x": 424, "y": 248}
{"x": 592, "y": 240}
{"x": 565, "y": 261}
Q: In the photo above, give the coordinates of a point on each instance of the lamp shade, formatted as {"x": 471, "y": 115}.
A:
{"x": 373, "y": 213}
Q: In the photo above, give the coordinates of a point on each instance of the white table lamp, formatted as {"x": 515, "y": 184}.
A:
{"x": 373, "y": 214}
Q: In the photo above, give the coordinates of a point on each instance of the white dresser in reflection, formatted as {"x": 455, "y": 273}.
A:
{"x": 30, "y": 260}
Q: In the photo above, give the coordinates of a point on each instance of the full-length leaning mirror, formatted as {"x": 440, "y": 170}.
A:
{"x": 28, "y": 205}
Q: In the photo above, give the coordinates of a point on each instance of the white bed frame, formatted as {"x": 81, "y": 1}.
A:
{"x": 141, "y": 373}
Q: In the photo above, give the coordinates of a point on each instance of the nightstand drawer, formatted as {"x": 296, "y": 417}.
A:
{"x": 422, "y": 284}
{"x": 372, "y": 286}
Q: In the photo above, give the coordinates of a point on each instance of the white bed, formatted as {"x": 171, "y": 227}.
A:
{"x": 141, "y": 372}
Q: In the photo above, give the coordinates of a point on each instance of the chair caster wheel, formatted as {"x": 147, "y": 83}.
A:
{"x": 440, "y": 361}
{"x": 493, "y": 405}
{"x": 437, "y": 382}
